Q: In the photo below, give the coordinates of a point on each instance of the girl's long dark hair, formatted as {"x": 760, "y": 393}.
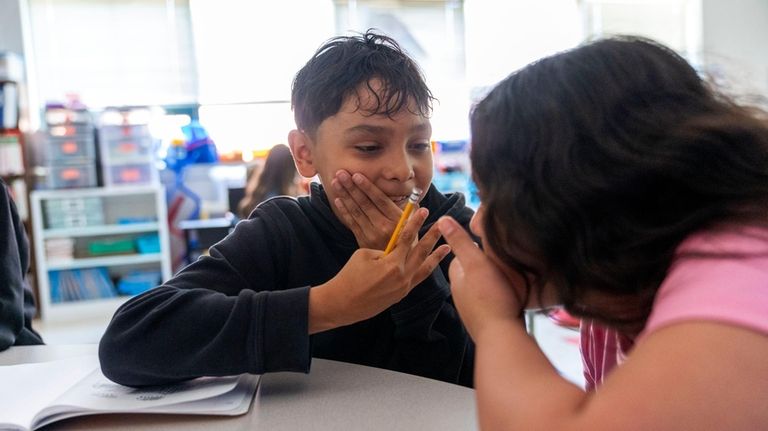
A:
{"x": 276, "y": 178}
{"x": 594, "y": 164}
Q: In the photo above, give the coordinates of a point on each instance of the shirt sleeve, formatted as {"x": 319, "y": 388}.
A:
{"x": 211, "y": 319}
{"x": 716, "y": 277}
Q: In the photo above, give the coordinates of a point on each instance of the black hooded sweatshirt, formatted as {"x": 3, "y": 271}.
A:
{"x": 17, "y": 307}
{"x": 244, "y": 308}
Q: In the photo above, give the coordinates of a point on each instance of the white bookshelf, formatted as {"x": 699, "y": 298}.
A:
{"x": 108, "y": 229}
{"x": 137, "y": 202}
{"x": 91, "y": 262}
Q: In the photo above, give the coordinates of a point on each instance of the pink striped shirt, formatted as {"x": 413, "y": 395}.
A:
{"x": 729, "y": 288}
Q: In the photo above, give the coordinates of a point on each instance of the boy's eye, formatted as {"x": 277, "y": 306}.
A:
{"x": 367, "y": 148}
{"x": 420, "y": 147}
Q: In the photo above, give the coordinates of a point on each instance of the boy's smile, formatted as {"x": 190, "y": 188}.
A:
{"x": 394, "y": 153}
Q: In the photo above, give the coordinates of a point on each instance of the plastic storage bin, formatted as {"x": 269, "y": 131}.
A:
{"x": 72, "y": 149}
{"x": 73, "y": 220}
{"x": 64, "y": 130}
{"x": 126, "y": 150}
{"x": 72, "y": 176}
{"x": 132, "y": 173}
{"x": 148, "y": 243}
{"x": 113, "y": 132}
{"x": 89, "y": 204}
{"x": 73, "y": 212}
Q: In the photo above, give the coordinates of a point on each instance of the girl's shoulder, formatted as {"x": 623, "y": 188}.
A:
{"x": 717, "y": 275}
{"x": 726, "y": 243}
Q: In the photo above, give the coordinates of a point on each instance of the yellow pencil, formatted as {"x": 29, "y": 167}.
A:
{"x": 413, "y": 199}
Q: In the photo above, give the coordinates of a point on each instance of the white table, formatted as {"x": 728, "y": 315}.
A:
{"x": 333, "y": 396}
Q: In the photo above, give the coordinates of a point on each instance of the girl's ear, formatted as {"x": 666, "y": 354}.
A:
{"x": 301, "y": 148}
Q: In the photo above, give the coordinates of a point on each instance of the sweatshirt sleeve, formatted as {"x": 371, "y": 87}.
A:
{"x": 218, "y": 316}
{"x": 17, "y": 306}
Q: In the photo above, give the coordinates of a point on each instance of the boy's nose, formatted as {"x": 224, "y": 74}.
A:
{"x": 399, "y": 168}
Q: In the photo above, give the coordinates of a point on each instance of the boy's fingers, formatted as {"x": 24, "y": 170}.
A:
{"x": 464, "y": 248}
{"x": 351, "y": 222}
{"x": 377, "y": 197}
{"x": 423, "y": 249}
{"x": 409, "y": 233}
{"x": 367, "y": 207}
{"x": 351, "y": 206}
{"x": 429, "y": 264}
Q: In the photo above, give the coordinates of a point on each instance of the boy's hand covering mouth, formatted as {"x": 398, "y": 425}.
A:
{"x": 366, "y": 210}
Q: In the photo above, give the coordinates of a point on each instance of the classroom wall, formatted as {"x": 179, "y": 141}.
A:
{"x": 735, "y": 34}
{"x": 10, "y": 27}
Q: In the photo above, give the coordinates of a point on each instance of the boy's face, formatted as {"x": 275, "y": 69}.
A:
{"x": 393, "y": 153}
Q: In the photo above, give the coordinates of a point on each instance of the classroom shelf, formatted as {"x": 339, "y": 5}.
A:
{"x": 111, "y": 229}
{"x": 82, "y": 216}
{"x": 109, "y": 261}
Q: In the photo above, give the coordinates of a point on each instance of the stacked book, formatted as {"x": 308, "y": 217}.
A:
{"x": 80, "y": 284}
{"x": 60, "y": 248}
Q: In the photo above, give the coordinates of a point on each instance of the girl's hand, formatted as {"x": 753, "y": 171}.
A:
{"x": 367, "y": 211}
{"x": 482, "y": 292}
{"x": 370, "y": 282}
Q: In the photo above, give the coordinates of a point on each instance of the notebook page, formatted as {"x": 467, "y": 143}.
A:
{"x": 29, "y": 388}
{"x": 98, "y": 393}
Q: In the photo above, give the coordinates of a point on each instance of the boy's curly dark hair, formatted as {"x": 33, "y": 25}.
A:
{"x": 342, "y": 64}
{"x": 594, "y": 164}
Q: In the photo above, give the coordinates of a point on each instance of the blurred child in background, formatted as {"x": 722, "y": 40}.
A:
{"x": 278, "y": 177}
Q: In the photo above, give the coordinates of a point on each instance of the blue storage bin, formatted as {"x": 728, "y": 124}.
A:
{"x": 148, "y": 243}
{"x": 137, "y": 282}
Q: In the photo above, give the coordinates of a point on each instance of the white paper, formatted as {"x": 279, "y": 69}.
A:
{"x": 28, "y": 388}
{"x": 51, "y": 391}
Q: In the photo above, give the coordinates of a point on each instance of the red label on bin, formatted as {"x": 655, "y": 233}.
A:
{"x": 131, "y": 175}
{"x": 127, "y": 147}
{"x": 70, "y": 174}
{"x": 69, "y": 147}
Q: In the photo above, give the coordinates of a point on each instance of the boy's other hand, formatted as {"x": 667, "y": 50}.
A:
{"x": 366, "y": 210}
{"x": 370, "y": 281}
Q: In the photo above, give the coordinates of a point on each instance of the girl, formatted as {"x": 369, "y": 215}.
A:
{"x": 278, "y": 178}
{"x": 615, "y": 182}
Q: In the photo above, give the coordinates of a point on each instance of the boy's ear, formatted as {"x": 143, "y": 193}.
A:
{"x": 301, "y": 148}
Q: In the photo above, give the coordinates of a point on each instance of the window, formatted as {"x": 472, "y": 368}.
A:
{"x": 432, "y": 33}
{"x": 119, "y": 52}
{"x": 675, "y": 23}
{"x": 247, "y": 58}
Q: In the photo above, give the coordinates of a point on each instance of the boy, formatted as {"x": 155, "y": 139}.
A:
{"x": 306, "y": 277}
{"x": 17, "y": 306}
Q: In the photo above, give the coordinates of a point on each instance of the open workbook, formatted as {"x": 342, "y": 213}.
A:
{"x": 35, "y": 395}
